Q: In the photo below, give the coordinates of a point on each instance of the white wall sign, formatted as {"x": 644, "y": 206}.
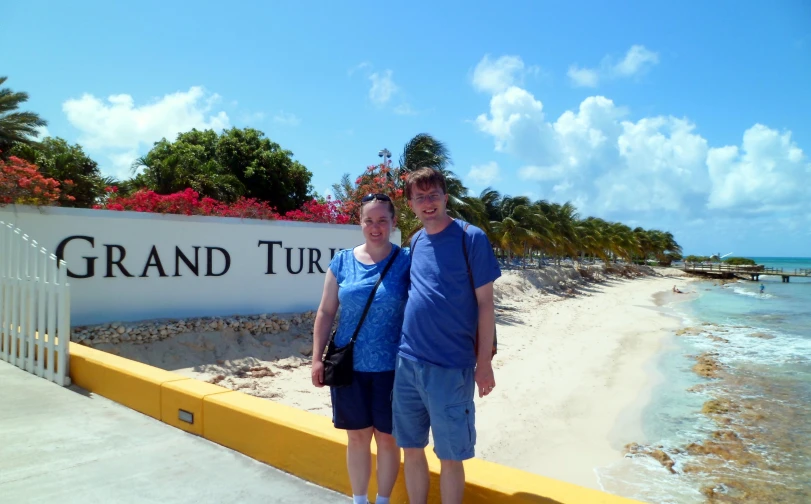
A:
{"x": 128, "y": 266}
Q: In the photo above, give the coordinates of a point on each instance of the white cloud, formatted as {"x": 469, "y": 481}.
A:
{"x": 383, "y": 91}
{"x": 484, "y": 175}
{"x": 122, "y": 163}
{"x": 119, "y": 129}
{"x": 496, "y": 76}
{"x": 404, "y": 109}
{"x": 360, "y": 66}
{"x": 42, "y": 132}
{"x": 383, "y": 87}
{"x": 594, "y": 156}
{"x": 768, "y": 172}
{"x": 604, "y": 162}
{"x": 515, "y": 117}
{"x": 583, "y": 77}
{"x": 286, "y": 119}
{"x": 636, "y": 61}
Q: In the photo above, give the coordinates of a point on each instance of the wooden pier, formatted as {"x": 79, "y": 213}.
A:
{"x": 746, "y": 272}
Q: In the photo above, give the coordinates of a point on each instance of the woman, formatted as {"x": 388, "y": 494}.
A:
{"x": 363, "y": 409}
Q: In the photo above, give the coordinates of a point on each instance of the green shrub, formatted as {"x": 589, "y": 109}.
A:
{"x": 739, "y": 261}
{"x": 696, "y": 259}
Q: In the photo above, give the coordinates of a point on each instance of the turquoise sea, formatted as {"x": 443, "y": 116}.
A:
{"x": 731, "y": 410}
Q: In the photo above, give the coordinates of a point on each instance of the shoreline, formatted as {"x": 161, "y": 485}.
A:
{"x": 579, "y": 379}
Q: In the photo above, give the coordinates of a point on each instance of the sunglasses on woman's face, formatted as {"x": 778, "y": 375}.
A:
{"x": 376, "y": 196}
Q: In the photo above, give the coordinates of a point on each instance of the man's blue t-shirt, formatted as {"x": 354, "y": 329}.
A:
{"x": 442, "y": 314}
{"x": 377, "y": 341}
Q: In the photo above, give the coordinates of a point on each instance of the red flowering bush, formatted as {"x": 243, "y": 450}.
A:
{"x": 377, "y": 179}
{"x": 188, "y": 202}
{"x": 329, "y": 211}
{"x": 21, "y": 182}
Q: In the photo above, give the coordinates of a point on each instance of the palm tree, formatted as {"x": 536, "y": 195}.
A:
{"x": 426, "y": 151}
{"x": 16, "y": 126}
{"x": 562, "y": 221}
{"x": 622, "y": 242}
{"x": 491, "y": 200}
{"x": 666, "y": 248}
{"x": 647, "y": 240}
{"x": 591, "y": 236}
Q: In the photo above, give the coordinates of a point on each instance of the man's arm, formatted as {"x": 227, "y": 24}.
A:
{"x": 487, "y": 324}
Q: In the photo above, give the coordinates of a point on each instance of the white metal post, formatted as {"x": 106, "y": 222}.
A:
{"x": 51, "y": 330}
{"x": 63, "y": 332}
{"x": 15, "y": 298}
{"x": 42, "y": 264}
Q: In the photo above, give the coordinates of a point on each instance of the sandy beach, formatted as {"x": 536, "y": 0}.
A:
{"x": 574, "y": 369}
{"x": 573, "y": 375}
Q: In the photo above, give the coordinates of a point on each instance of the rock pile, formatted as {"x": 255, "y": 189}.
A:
{"x": 151, "y": 331}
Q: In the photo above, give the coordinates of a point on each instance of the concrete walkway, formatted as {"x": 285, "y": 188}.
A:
{"x": 65, "y": 445}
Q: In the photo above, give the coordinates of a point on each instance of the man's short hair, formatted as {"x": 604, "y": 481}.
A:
{"x": 424, "y": 178}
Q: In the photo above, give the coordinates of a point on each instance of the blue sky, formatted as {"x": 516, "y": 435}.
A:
{"x": 691, "y": 117}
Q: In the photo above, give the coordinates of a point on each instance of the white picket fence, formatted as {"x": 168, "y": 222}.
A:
{"x": 35, "y": 302}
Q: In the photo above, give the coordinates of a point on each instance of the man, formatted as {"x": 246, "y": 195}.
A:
{"x": 441, "y": 359}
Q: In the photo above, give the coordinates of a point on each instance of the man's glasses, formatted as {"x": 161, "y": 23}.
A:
{"x": 433, "y": 198}
{"x": 376, "y": 196}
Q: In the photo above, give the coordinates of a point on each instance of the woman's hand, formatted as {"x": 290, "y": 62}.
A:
{"x": 317, "y": 373}
{"x": 323, "y": 321}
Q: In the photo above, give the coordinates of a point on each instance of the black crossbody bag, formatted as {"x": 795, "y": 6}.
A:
{"x": 339, "y": 361}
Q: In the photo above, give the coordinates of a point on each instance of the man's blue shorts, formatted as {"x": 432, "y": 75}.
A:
{"x": 365, "y": 403}
{"x": 428, "y": 396}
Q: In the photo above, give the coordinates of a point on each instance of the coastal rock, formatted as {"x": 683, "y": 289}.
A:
{"x": 707, "y": 366}
{"x": 657, "y": 453}
{"x": 151, "y": 331}
{"x": 689, "y": 331}
{"x": 718, "y": 407}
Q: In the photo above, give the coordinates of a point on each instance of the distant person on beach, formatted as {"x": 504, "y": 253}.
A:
{"x": 677, "y": 291}
{"x": 447, "y": 342}
{"x": 762, "y": 288}
{"x": 363, "y": 409}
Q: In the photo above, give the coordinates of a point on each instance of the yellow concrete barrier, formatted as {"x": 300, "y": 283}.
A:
{"x": 309, "y": 447}
{"x": 295, "y": 441}
{"x": 301, "y": 443}
{"x": 133, "y": 384}
{"x": 182, "y": 403}
{"x": 489, "y": 482}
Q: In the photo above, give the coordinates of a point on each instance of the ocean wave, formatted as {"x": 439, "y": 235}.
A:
{"x": 735, "y": 344}
{"x": 745, "y": 292}
{"x": 645, "y": 479}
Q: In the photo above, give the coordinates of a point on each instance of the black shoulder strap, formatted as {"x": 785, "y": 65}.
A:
{"x": 415, "y": 239}
{"x": 372, "y": 295}
{"x": 467, "y": 261}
